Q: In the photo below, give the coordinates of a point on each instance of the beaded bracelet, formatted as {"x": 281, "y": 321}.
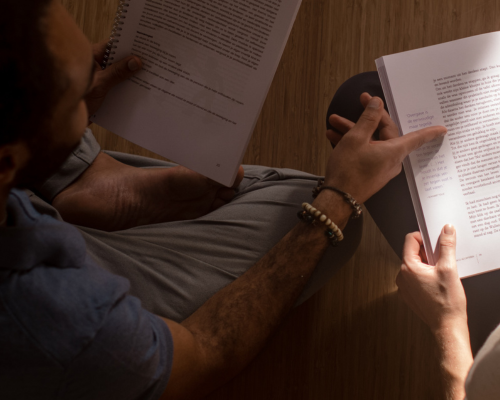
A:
{"x": 310, "y": 214}
{"x": 347, "y": 197}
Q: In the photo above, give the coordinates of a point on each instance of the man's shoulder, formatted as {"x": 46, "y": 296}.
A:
{"x": 49, "y": 286}
{"x": 62, "y": 309}
{"x": 80, "y": 330}
{"x": 65, "y": 322}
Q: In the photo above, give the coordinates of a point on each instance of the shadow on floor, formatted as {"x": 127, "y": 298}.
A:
{"x": 366, "y": 355}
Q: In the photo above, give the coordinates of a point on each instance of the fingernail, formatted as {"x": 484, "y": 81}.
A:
{"x": 374, "y": 103}
{"x": 133, "y": 65}
{"x": 449, "y": 229}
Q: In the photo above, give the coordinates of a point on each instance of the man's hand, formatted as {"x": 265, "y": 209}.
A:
{"x": 436, "y": 295}
{"x": 105, "y": 80}
{"x": 361, "y": 166}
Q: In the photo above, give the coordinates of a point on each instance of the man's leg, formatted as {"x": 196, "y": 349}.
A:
{"x": 175, "y": 267}
{"x": 392, "y": 210}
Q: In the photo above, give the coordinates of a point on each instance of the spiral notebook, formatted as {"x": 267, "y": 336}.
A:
{"x": 208, "y": 66}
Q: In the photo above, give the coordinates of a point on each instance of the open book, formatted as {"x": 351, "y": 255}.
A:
{"x": 455, "y": 179}
{"x": 208, "y": 65}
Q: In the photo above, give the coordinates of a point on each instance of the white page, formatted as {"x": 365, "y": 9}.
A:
{"x": 208, "y": 68}
{"x": 456, "y": 84}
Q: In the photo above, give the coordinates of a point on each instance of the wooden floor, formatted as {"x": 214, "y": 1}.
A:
{"x": 354, "y": 339}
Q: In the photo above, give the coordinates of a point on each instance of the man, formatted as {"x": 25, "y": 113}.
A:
{"x": 220, "y": 284}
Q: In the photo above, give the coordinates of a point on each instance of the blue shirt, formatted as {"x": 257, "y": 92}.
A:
{"x": 68, "y": 328}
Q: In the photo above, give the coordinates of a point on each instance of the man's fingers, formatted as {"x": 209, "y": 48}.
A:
{"x": 411, "y": 249}
{"x": 341, "y": 124}
{"x": 239, "y": 177}
{"x": 370, "y": 119}
{"x": 423, "y": 255}
{"x": 387, "y": 127}
{"x": 98, "y": 50}
{"x": 414, "y": 140}
{"x": 447, "y": 246}
{"x": 365, "y": 98}
{"x": 119, "y": 72}
{"x": 333, "y": 137}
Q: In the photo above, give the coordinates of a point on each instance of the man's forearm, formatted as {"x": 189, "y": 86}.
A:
{"x": 455, "y": 359}
{"x": 233, "y": 325}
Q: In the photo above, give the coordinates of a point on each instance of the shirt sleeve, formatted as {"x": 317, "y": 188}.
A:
{"x": 129, "y": 358}
{"x": 483, "y": 382}
{"x": 97, "y": 338}
{"x": 75, "y": 323}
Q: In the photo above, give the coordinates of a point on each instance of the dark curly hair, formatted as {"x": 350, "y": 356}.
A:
{"x": 29, "y": 80}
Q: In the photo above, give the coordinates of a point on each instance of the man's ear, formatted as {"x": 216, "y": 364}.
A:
{"x": 13, "y": 158}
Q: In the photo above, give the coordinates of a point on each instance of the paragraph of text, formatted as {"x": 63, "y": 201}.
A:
{"x": 236, "y": 29}
{"x": 470, "y": 104}
{"x": 484, "y": 215}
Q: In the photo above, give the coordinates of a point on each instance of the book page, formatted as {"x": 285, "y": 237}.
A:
{"x": 456, "y": 84}
{"x": 207, "y": 68}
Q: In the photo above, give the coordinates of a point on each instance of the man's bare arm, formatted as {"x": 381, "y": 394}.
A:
{"x": 436, "y": 295}
{"x": 455, "y": 358}
{"x": 232, "y": 326}
{"x": 226, "y": 332}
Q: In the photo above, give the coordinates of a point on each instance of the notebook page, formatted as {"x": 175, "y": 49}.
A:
{"x": 207, "y": 68}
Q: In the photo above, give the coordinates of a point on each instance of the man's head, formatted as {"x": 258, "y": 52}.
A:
{"x": 46, "y": 68}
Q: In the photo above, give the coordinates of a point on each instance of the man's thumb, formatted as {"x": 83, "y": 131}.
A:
{"x": 121, "y": 71}
{"x": 447, "y": 243}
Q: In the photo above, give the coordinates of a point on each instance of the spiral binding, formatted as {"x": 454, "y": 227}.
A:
{"x": 115, "y": 33}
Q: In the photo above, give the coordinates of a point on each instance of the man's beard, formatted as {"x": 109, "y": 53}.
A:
{"x": 45, "y": 160}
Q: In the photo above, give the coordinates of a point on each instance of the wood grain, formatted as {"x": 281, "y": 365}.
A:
{"x": 354, "y": 339}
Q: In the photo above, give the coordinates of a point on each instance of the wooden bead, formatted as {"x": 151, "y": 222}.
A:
{"x": 333, "y": 231}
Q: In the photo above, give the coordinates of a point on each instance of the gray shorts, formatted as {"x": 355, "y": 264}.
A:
{"x": 175, "y": 267}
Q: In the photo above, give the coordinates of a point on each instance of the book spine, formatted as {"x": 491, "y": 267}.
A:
{"x": 121, "y": 15}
